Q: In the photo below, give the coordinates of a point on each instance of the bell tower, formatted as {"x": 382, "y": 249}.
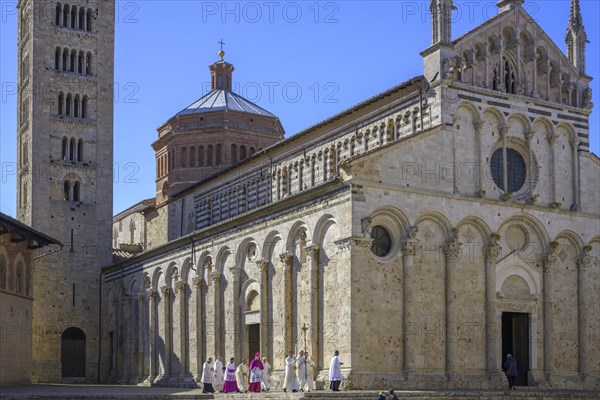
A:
{"x": 65, "y": 156}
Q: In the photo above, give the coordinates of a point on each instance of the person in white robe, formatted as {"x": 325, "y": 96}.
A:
{"x": 309, "y": 373}
{"x": 207, "y": 377}
{"x": 265, "y": 384}
{"x": 335, "y": 372}
{"x": 218, "y": 368}
{"x": 301, "y": 370}
{"x": 290, "y": 382}
{"x": 241, "y": 375}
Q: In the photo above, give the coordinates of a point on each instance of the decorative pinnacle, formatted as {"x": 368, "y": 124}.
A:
{"x": 575, "y": 19}
{"x": 221, "y": 52}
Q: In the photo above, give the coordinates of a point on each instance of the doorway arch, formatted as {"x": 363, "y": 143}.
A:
{"x": 73, "y": 353}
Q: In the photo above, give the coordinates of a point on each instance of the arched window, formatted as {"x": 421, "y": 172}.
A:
{"x": 69, "y": 105}
{"x": 57, "y": 59}
{"x": 61, "y": 102}
{"x": 115, "y": 238}
{"x": 192, "y": 157}
{"x": 80, "y": 63}
{"x": 510, "y": 84}
{"x": 76, "y": 191}
{"x": 209, "y": 155}
{"x": 72, "y": 63}
{"x": 219, "y": 155}
{"x": 88, "y": 63}
{"x": 81, "y": 18}
{"x": 252, "y": 151}
{"x": 58, "y": 13}
{"x": 65, "y": 59}
{"x": 76, "y": 105}
{"x": 65, "y": 20}
{"x": 88, "y": 20}
{"x": 66, "y": 190}
{"x": 201, "y": 156}
{"x": 84, "y": 107}
{"x": 233, "y": 153}
{"x": 80, "y": 150}
{"x": 19, "y": 278}
{"x": 65, "y": 148}
{"x": 3, "y": 271}
{"x": 184, "y": 157}
{"x": 74, "y": 17}
{"x": 132, "y": 231}
{"x": 242, "y": 152}
{"x": 72, "y": 149}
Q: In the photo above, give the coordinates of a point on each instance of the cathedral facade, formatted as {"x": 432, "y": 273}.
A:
{"x": 424, "y": 233}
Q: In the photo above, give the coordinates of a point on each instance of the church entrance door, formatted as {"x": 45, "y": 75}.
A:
{"x": 73, "y": 353}
{"x": 253, "y": 340}
{"x": 515, "y": 341}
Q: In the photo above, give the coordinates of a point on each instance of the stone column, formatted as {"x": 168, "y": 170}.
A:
{"x": 287, "y": 261}
{"x": 586, "y": 314}
{"x": 140, "y": 337}
{"x": 503, "y": 130}
{"x": 549, "y": 265}
{"x": 551, "y": 140}
{"x": 198, "y": 283}
{"x": 575, "y": 146}
{"x": 477, "y": 125}
{"x": 263, "y": 266}
{"x": 181, "y": 290}
{"x": 452, "y": 252}
{"x": 409, "y": 251}
{"x": 529, "y": 137}
{"x": 152, "y": 336}
{"x": 124, "y": 364}
{"x": 166, "y": 294}
{"x": 492, "y": 327}
{"x": 313, "y": 264}
{"x": 216, "y": 278}
{"x": 548, "y": 74}
{"x": 236, "y": 273}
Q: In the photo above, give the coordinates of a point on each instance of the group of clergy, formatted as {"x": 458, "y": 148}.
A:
{"x": 255, "y": 377}
{"x": 235, "y": 380}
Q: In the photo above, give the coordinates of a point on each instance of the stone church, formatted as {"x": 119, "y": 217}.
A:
{"x": 424, "y": 233}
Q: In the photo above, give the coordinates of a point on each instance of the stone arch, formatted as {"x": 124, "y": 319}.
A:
{"x": 524, "y": 121}
{"x": 321, "y": 228}
{"x": 247, "y": 288}
{"x": 496, "y": 114}
{"x": 469, "y": 107}
{"x": 244, "y": 247}
{"x": 573, "y": 239}
{"x": 438, "y": 219}
{"x": 298, "y": 228}
{"x": 134, "y": 287}
{"x": 533, "y": 225}
{"x": 566, "y": 128}
{"x": 507, "y": 268}
{"x": 481, "y": 226}
{"x": 270, "y": 241}
{"x": 222, "y": 257}
{"x": 147, "y": 281}
{"x": 546, "y": 123}
{"x": 157, "y": 278}
{"x": 186, "y": 267}
{"x": 172, "y": 272}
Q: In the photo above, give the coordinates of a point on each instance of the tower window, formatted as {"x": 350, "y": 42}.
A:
{"x": 3, "y": 272}
{"x": 69, "y": 105}
{"x": 81, "y": 18}
{"x": 72, "y": 64}
{"x": 80, "y": 63}
{"x": 84, "y": 107}
{"x": 65, "y": 59}
{"x": 19, "y": 278}
{"x": 61, "y": 102}
{"x": 209, "y": 155}
{"x": 201, "y": 156}
{"x": 76, "y": 106}
{"x": 515, "y": 170}
{"x": 242, "y": 152}
{"x": 219, "y": 156}
{"x": 88, "y": 63}
{"x": 57, "y": 59}
{"x": 65, "y": 20}
{"x": 88, "y": 22}
{"x": 58, "y": 13}
{"x": 233, "y": 153}
{"x": 76, "y": 191}
{"x": 74, "y": 17}
{"x": 80, "y": 150}
{"x": 65, "y": 148}
{"x": 66, "y": 190}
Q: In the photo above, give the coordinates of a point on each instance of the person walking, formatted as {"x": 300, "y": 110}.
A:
{"x": 309, "y": 373}
{"x": 510, "y": 369}
{"x": 290, "y": 382}
{"x": 207, "y": 377}
{"x": 230, "y": 385}
{"x": 392, "y": 395}
{"x": 266, "y": 386}
{"x": 242, "y": 376}
{"x": 218, "y": 368}
{"x": 301, "y": 370}
{"x": 256, "y": 374}
{"x": 335, "y": 372}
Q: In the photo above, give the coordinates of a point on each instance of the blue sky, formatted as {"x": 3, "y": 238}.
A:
{"x": 302, "y": 60}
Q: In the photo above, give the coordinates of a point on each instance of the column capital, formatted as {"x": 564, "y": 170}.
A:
{"x": 215, "y": 276}
{"x": 492, "y": 252}
{"x": 452, "y": 250}
{"x": 584, "y": 262}
{"x": 477, "y": 125}
{"x": 140, "y": 296}
{"x": 180, "y": 287}
{"x": 551, "y": 139}
{"x": 235, "y": 271}
{"x": 410, "y": 247}
{"x": 262, "y": 264}
{"x": 356, "y": 242}
{"x": 197, "y": 282}
{"x": 551, "y": 257}
{"x": 503, "y": 130}
{"x": 286, "y": 257}
{"x": 165, "y": 291}
{"x": 528, "y": 133}
{"x": 152, "y": 293}
{"x": 574, "y": 142}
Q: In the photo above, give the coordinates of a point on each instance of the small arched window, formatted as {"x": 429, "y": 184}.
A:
{"x": 61, "y": 102}
{"x": 76, "y": 191}
{"x": 252, "y": 151}
{"x": 184, "y": 157}
{"x": 57, "y": 59}
{"x": 65, "y": 59}
{"x": 65, "y": 148}
{"x": 80, "y": 150}
{"x": 58, "y": 13}
{"x": 72, "y": 63}
{"x": 233, "y": 153}
{"x": 88, "y": 63}
{"x": 76, "y": 105}
{"x": 84, "y": 107}
{"x": 88, "y": 20}
{"x": 74, "y": 17}
{"x": 209, "y": 155}
{"x": 69, "y": 105}
{"x": 201, "y": 156}
{"x": 81, "y": 18}
{"x": 65, "y": 20}
{"x": 80, "y": 63}
{"x": 66, "y": 190}
{"x": 19, "y": 278}
{"x": 132, "y": 231}
{"x": 3, "y": 271}
{"x": 115, "y": 238}
{"x": 192, "y": 157}
{"x": 219, "y": 155}
{"x": 72, "y": 149}
{"x": 242, "y": 152}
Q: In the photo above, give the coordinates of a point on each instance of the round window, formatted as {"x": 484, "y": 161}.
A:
{"x": 516, "y": 170}
{"x": 382, "y": 241}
